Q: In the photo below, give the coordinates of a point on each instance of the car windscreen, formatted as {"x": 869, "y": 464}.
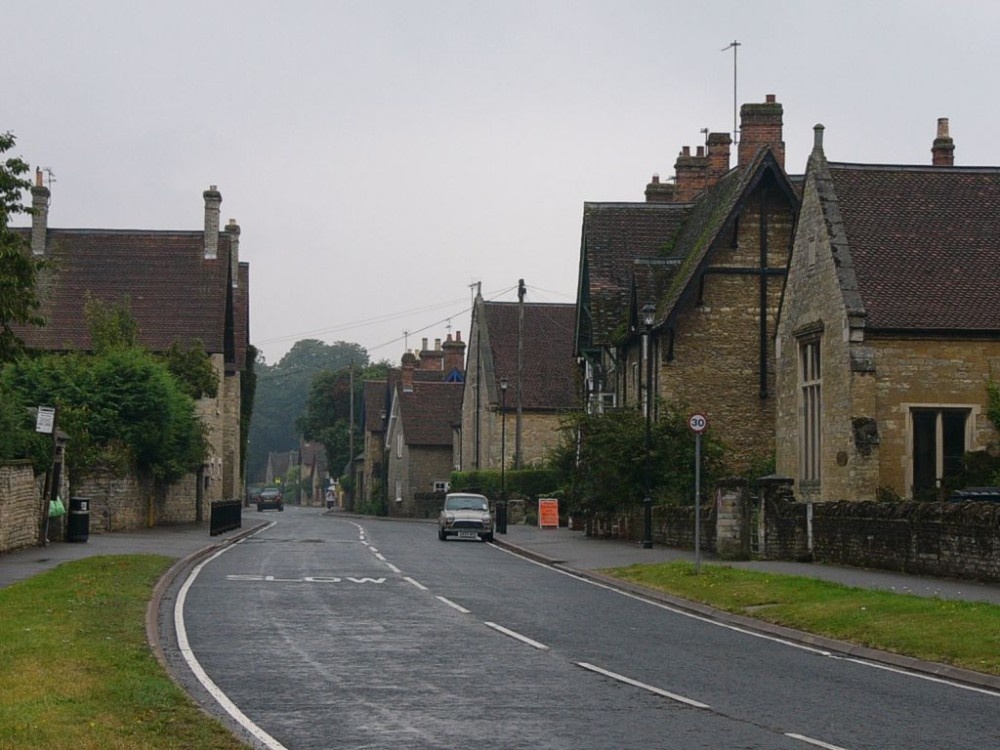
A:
{"x": 467, "y": 502}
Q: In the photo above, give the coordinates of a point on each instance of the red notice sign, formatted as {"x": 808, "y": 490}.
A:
{"x": 548, "y": 513}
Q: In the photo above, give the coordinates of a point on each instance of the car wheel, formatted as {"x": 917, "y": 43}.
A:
{"x": 259, "y": 509}
{"x": 487, "y": 537}
{"x": 281, "y": 507}
{"x": 442, "y": 536}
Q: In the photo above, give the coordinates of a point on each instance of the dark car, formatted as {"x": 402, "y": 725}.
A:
{"x": 270, "y": 497}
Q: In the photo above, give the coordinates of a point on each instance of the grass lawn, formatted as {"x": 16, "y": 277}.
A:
{"x": 75, "y": 668}
{"x": 963, "y": 634}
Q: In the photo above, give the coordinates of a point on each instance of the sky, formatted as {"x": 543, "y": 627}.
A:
{"x": 383, "y": 157}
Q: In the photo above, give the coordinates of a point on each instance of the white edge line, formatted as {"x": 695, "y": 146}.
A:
{"x": 415, "y": 583}
{"x": 452, "y": 604}
{"x": 811, "y": 741}
{"x": 196, "y": 669}
{"x": 517, "y": 636}
{"x": 644, "y": 686}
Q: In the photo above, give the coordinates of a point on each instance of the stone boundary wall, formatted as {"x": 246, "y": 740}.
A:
{"x": 20, "y": 506}
{"x": 950, "y": 539}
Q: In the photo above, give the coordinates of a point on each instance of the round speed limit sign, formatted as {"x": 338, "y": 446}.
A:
{"x": 698, "y": 423}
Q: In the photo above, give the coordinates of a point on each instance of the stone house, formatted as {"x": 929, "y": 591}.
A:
{"x": 423, "y": 417}
{"x": 180, "y": 286}
{"x": 528, "y": 346}
{"x": 314, "y": 474}
{"x": 278, "y": 464}
{"x": 704, "y": 259}
{"x": 890, "y": 326}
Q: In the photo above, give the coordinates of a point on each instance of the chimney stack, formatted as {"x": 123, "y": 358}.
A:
{"x": 409, "y": 364}
{"x": 40, "y": 216}
{"x": 233, "y": 230}
{"x": 943, "y": 150}
{"x": 213, "y": 200}
{"x": 659, "y": 192}
{"x": 432, "y": 359}
{"x": 761, "y": 125}
{"x": 454, "y": 353}
{"x": 718, "y": 156}
{"x": 690, "y": 173}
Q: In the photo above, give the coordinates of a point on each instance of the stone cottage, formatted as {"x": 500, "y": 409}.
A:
{"x": 703, "y": 260}
{"x": 180, "y": 286}
{"x": 890, "y": 326}
{"x": 529, "y": 348}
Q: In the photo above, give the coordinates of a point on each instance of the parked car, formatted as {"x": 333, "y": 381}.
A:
{"x": 270, "y": 497}
{"x": 467, "y": 516}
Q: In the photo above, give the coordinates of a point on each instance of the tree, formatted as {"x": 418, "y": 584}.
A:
{"x": 602, "y": 458}
{"x": 111, "y": 325}
{"x": 327, "y": 415}
{"x": 282, "y": 391}
{"x": 193, "y": 367}
{"x": 18, "y": 271}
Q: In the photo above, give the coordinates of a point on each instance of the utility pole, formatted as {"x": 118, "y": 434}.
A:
{"x": 521, "y": 290}
{"x": 350, "y": 439}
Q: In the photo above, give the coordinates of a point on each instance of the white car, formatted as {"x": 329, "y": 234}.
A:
{"x": 467, "y": 516}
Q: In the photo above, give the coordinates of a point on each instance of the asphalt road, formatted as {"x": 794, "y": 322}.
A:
{"x": 328, "y": 632}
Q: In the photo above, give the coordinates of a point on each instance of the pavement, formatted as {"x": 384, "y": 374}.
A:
{"x": 566, "y": 549}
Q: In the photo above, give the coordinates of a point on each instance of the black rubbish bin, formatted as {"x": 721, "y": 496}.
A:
{"x": 78, "y": 520}
{"x": 501, "y": 524}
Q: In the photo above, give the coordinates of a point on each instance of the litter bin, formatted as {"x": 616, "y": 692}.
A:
{"x": 501, "y": 524}
{"x": 78, "y": 520}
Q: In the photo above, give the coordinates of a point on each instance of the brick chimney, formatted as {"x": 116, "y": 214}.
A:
{"x": 659, "y": 192}
{"x": 454, "y": 353}
{"x": 40, "y": 216}
{"x": 213, "y": 200}
{"x": 690, "y": 173}
{"x": 761, "y": 125}
{"x": 432, "y": 359}
{"x": 233, "y": 230}
{"x": 943, "y": 150}
{"x": 409, "y": 365}
{"x": 718, "y": 156}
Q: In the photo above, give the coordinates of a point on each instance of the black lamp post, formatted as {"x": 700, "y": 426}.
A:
{"x": 648, "y": 311}
{"x": 502, "y": 525}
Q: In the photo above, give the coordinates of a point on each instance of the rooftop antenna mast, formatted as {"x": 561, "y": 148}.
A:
{"x": 733, "y": 45}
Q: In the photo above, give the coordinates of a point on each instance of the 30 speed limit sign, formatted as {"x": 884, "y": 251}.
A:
{"x": 698, "y": 423}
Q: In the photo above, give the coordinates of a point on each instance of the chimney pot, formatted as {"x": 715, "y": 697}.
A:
{"x": 943, "y": 148}
{"x": 769, "y": 98}
{"x": 40, "y": 215}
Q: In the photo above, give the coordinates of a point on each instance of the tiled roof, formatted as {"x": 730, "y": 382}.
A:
{"x": 925, "y": 244}
{"x": 429, "y": 412}
{"x": 173, "y": 292}
{"x": 549, "y": 370}
{"x": 615, "y": 235}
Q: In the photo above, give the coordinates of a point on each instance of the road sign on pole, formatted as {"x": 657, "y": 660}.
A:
{"x": 698, "y": 423}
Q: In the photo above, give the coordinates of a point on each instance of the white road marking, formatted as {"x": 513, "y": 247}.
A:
{"x": 644, "y": 686}
{"x": 762, "y": 636}
{"x": 452, "y": 604}
{"x": 415, "y": 583}
{"x": 811, "y": 741}
{"x": 393, "y": 568}
{"x": 517, "y": 636}
{"x": 196, "y": 669}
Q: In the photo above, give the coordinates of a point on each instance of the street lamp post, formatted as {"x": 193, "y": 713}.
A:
{"x": 648, "y": 311}
{"x": 502, "y": 525}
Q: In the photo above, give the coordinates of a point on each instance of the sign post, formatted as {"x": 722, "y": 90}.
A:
{"x": 698, "y": 424}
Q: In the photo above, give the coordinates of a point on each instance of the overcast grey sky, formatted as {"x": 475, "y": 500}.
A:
{"x": 381, "y": 156}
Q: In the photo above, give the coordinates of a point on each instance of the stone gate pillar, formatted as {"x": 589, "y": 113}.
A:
{"x": 732, "y": 519}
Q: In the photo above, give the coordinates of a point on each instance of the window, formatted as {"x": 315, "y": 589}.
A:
{"x": 399, "y": 445}
{"x": 939, "y": 442}
{"x": 809, "y": 433}
{"x": 440, "y": 486}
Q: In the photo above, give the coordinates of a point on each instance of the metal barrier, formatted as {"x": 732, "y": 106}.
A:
{"x": 226, "y": 516}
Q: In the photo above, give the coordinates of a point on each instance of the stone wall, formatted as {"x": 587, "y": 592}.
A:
{"x": 716, "y": 360}
{"x": 20, "y": 506}
{"x": 673, "y": 526}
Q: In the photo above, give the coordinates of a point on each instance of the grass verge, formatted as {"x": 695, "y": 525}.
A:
{"x": 959, "y": 633}
{"x": 75, "y": 668}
